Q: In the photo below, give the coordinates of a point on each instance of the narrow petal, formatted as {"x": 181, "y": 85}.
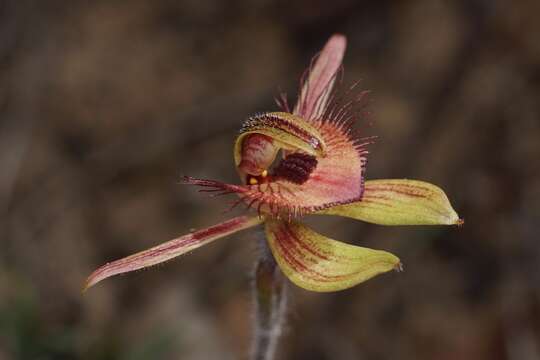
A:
{"x": 400, "y": 202}
{"x": 317, "y": 88}
{"x": 171, "y": 249}
{"x": 317, "y": 263}
{"x": 300, "y": 184}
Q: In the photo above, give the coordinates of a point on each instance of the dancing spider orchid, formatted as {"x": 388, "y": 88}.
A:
{"x": 320, "y": 170}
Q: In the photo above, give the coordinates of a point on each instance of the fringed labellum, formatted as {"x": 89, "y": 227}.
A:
{"x": 322, "y": 165}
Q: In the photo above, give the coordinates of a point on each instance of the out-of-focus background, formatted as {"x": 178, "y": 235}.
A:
{"x": 104, "y": 104}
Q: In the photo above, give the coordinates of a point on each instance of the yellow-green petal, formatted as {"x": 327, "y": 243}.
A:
{"x": 317, "y": 263}
{"x": 400, "y": 202}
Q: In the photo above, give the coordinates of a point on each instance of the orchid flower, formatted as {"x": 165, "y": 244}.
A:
{"x": 307, "y": 161}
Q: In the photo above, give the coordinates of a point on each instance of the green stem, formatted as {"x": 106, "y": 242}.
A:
{"x": 270, "y": 305}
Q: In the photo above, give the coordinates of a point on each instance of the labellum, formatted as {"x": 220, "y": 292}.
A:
{"x": 322, "y": 165}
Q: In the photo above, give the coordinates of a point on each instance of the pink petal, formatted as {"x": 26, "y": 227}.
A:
{"x": 171, "y": 249}
{"x": 317, "y": 88}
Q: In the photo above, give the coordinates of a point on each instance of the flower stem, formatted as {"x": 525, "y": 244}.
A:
{"x": 270, "y": 305}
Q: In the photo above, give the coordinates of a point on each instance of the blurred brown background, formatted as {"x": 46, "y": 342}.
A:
{"x": 104, "y": 104}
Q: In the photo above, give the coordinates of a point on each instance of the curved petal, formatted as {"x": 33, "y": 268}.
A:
{"x": 400, "y": 202}
{"x": 264, "y": 134}
{"x": 171, "y": 249}
{"x": 317, "y": 88}
{"x": 317, "y": 263}
{"x": 299, "y": 184}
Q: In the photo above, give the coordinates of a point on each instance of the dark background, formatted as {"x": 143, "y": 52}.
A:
{"x": 104, "y": 104}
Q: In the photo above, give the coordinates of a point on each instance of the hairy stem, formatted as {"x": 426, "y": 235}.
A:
{"x": 270, "y": 305}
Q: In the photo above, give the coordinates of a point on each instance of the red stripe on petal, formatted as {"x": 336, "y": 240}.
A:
{"x": 317, "y": 263}
{"x": 170, "y": 249}
{"x": 400, "y": 202}
{"x": 316, "y": 90}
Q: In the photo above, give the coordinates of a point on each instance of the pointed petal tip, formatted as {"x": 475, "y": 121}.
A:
{"x": 171, "y": 249}
{"x": 315, "y": 93}
{"x": 400, "y": 202}
{"x": 317, "y": 263}
{"x": 338, "y": 40}
{"x": 86, "y": 286}
{"x": 452, "y": 217}
{"x": 186, "y": 180}
{"x": 97, "y": 276}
